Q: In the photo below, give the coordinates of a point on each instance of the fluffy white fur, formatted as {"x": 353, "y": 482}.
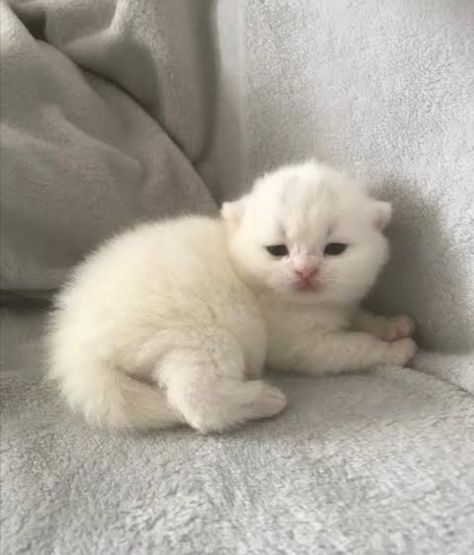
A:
{"x": 173, "y": 322}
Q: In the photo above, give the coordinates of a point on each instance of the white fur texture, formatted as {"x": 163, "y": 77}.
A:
{"x": 172, "y": 322}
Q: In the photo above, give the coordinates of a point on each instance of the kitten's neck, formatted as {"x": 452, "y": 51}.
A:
{"x": 324, "y": 315}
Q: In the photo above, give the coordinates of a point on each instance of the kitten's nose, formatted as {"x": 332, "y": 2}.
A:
{"x": 307, "y": 272}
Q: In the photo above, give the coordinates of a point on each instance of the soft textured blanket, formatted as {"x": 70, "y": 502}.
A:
{"x": 376, "y": 463}
{"x": 119, "y": 110}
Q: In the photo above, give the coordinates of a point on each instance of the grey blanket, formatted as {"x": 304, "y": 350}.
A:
{"x": 117, "y": 111}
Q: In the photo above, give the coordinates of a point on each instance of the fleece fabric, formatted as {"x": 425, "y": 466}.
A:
{"x": 117, "y": 111}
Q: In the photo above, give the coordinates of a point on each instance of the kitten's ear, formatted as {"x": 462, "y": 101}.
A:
{"x": 233, "y": 212}
{"x": 381, "y": 214}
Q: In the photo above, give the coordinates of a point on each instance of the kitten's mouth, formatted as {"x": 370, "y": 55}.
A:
{"x": 307, "y": 286}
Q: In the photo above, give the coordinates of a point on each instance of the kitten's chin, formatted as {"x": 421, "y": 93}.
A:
{"x": 303, "y": 293}
{"x": 306, "y": 297}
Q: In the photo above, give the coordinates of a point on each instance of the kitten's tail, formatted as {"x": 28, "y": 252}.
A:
{"x": 109, "y": 397}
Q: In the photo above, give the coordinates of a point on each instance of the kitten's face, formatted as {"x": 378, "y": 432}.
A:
{"x": 309, "y": 234}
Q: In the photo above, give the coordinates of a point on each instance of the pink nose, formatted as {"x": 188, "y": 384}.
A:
{"x": 307, "y": 272}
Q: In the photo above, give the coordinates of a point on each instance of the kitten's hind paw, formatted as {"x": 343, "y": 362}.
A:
{"x": 401, "y": 352}
{"x": 270, "y": 402}
{"x": 398, "y": 328}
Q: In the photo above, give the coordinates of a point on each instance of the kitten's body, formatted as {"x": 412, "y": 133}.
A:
{"x": 173, "y": 322}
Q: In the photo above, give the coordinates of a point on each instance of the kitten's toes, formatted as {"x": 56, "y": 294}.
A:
{"x": 399, "y": 327}
{"x": 270, "y": 402}
{"x": 401, "y": 352}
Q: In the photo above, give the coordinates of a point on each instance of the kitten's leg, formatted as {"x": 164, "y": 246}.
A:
{"x": 389, "y": 329}
{"x": 208, "y": 388}
{"x": 340, "y": 351}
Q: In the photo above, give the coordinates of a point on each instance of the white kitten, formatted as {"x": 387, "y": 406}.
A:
{"x": 172, "y": 322}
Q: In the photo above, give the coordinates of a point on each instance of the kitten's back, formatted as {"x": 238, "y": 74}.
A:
{"x": 162, "y": 280}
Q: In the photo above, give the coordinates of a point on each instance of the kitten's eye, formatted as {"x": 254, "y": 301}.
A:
{"x": 277, "y": 250}
{"x": 334, "y": 249}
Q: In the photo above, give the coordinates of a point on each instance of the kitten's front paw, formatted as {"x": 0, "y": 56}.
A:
{"x": 401, "y": 352}
{"x": 398, "y": 328}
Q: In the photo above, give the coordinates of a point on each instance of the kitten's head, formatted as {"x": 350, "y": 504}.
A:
{"x": 308, "y": 233}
